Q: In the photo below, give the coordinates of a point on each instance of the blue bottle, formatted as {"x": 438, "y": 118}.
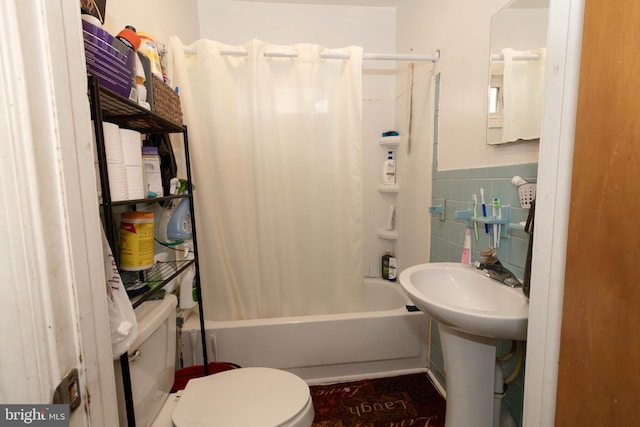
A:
{"x": 179, "y": 226}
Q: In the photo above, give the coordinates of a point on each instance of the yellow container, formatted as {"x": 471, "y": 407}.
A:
{"x": 136, "y": 241}
{"x": 148, "y": 48}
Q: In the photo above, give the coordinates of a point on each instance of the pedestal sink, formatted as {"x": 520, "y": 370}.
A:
{"x": 473, "y": 312}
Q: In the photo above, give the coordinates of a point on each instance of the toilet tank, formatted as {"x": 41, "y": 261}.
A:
{"x": 151, "y": 361}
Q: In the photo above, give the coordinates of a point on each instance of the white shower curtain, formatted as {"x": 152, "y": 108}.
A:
{"x": 523, "y": 91}
{"x": 275, "y": 147}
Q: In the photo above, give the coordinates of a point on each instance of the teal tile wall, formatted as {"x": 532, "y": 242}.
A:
{"x": 458, "y": 187}
{"x": 447, "y": 237}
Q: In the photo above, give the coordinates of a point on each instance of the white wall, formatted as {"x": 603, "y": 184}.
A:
{"x": 237, "y": 21}
{"x": 461, "y": 30}
{"x": 160, "y": 18}
{"x": 520, "y": 29}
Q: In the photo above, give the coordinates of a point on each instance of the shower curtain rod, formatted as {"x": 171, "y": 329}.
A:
{"x": 331, "y": 55}
{"x": 500, "y": 57}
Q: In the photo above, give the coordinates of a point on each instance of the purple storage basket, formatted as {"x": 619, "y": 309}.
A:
{"x": 110, "y": 60}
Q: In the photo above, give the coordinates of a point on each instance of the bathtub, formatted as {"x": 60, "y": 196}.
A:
{"x": 387, "y": 337}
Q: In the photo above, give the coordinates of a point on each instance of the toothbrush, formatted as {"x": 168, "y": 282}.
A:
{"x": 475, "y": 214}
{"x": 484, "y": 209}
{"x": 496, "y": 227}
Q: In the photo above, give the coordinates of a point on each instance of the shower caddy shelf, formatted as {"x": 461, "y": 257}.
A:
{"x": 385, "y": 234}
{"x": 389, "y": 143}
{"x": 383, "y": 188}
{"x": 107, "y": 106}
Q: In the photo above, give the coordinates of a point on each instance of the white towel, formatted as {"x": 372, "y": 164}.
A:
{"x": 522, "y": 94}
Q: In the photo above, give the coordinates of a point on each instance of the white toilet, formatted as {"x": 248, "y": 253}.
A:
{"x": 256, "y": 397}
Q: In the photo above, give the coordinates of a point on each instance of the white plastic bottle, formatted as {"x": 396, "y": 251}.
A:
{"x": 389, "y": 170}
{"x": 179, "y": 226}
{"x": 186, "y": 289}
{"x": 393, "y": 269}
{"x": 466, "y": 247}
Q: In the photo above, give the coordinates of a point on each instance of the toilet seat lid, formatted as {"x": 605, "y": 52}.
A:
{"x": 242, "y": 397}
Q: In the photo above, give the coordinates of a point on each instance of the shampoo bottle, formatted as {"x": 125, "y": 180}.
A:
{"x": 180, "y": 223}
{"x": 389, "y": 170}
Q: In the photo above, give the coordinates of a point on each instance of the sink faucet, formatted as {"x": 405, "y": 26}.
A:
{"x": 495, "y": 270}
{"x": 501, "y": 274}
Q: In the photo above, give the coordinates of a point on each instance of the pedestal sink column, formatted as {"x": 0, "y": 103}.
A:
{"x": 469, "y": 363}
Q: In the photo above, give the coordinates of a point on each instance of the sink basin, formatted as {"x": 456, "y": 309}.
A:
{"x": 462, "y": 297}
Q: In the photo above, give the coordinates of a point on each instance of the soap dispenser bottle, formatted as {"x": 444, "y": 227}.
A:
{"x": 385, "y": 264}
{"x": 389, "y": 266}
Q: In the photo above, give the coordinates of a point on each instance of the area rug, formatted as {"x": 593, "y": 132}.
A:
{"x": 406, "y": 400}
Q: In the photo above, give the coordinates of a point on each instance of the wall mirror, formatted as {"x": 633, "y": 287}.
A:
{"x": 516, "y": 78}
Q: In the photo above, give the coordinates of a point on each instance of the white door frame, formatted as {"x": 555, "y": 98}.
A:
{"x": 552, "y": 211}
{"x": 53, "y": 306}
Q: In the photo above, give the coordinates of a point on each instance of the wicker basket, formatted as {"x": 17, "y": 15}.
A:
{"x": 165, "y": 101}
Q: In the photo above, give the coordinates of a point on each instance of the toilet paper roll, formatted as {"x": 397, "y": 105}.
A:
{"x": 112, "y": 143}
{"x": 131, "y": 147}
{"x": 118, "y": 181}
{"x": 135, "y": 182}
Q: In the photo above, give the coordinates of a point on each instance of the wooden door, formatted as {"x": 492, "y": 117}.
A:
{"x": 599, "y": 369}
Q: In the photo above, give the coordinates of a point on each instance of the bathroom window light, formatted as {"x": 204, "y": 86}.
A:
{"x": 494, "y": 93}
{"x": 291, "y": 100}
{"x": 495, "y": 102}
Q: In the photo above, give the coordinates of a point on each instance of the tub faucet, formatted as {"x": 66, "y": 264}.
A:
{"x": 495, "y": 270}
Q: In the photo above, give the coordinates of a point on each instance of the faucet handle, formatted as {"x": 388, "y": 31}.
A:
{"x": 490, "y": 256}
